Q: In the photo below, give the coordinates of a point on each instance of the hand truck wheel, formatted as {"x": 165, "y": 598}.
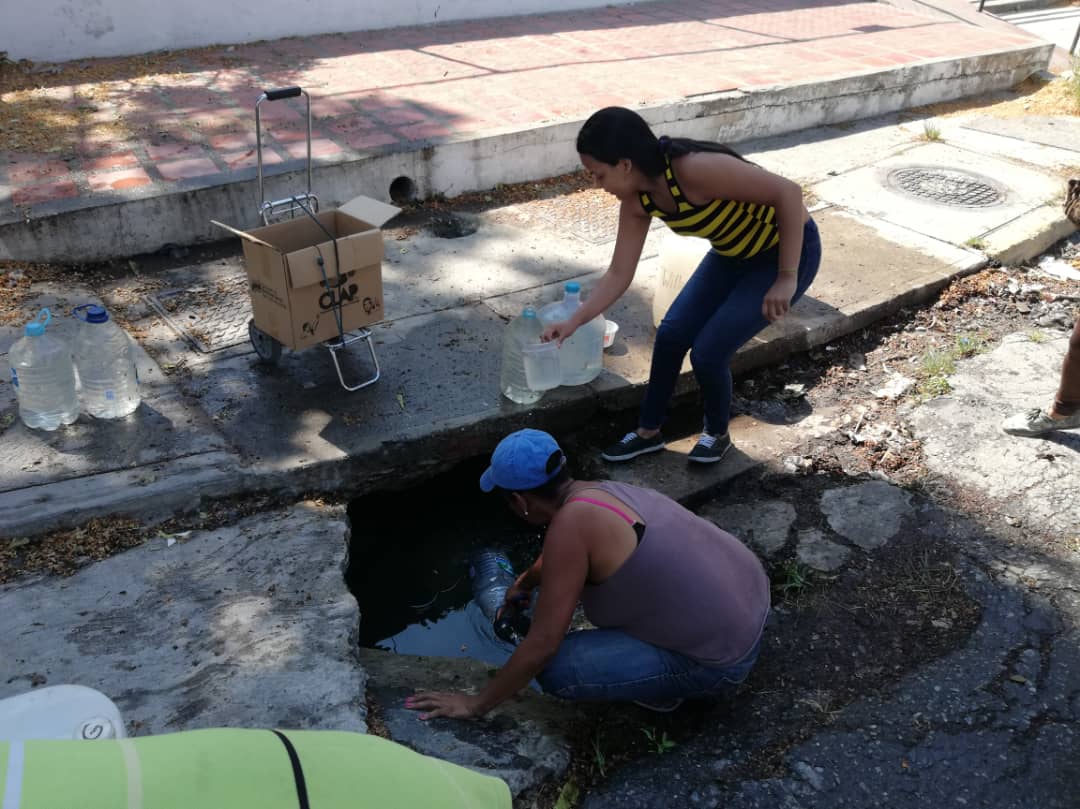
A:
{"x": 268, "y": 349}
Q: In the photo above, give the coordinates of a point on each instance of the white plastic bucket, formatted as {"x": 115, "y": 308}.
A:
{"x": 679, "y": 257}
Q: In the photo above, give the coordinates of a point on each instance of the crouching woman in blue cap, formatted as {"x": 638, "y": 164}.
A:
{"x": 679, "y": 604}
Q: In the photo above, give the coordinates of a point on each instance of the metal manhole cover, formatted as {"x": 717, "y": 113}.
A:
{"x": 946, "y": 186}
{"x": 211, "y": 316}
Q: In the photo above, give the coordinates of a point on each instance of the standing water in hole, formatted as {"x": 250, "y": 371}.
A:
{"x": 409, "y": 565}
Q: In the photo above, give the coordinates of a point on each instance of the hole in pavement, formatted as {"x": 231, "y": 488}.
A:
{"x": 402, "y": 190}
{"x": 445, "y": 225}
{"x": 409, "y": 559}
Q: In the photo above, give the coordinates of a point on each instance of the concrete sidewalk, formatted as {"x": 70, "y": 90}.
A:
{"x": 215, "y": 422}
{"x": 110, "y": 158}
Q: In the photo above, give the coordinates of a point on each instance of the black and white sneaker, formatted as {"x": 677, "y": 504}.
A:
{"x": 710, "y": 448}
{"x": 631, "y": 445}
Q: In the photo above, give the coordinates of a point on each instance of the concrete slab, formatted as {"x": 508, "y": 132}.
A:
{"x": 1061, "y": 133}
{"x": 245, "y": 626}
{"x": 874, "y": 190}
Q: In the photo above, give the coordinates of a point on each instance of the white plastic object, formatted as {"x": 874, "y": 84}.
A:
{"x": 610, "y": 329}
{"x": 542, "y": 368}
{"x": 679, "y": 257}
{"x": 60, "y": 712}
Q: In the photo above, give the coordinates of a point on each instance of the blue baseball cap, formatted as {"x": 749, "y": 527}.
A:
{"x": 520, "y": 462}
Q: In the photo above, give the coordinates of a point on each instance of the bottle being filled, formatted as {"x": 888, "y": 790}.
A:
{"x": 581, "y": 357}
{"x": 523, "y": 330}
{"x": 43, "y": 375}
{"x": 492, "y": 575}
{"x": 106, "y": 365}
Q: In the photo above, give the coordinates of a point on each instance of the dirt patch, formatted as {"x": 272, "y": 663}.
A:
{"x": 64, "y": 553}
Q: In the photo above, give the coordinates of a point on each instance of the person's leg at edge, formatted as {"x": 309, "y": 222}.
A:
{"x": 1067, "y": 402}
{"x": 606, "y": 665}
{"x": 731, "y": 326}
{"x": 1064, "y": 414}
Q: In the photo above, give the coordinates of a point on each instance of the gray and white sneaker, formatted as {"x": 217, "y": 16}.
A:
{"x": 1038, "y": 422}
{"x": 631, "y": 445}
{"x": 710, "y": 448}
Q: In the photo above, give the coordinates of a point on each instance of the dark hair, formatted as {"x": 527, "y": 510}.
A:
{"x": 616, "y": 133}
{"x": 549, "y": 490}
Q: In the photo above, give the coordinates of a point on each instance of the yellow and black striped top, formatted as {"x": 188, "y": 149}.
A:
{"x": 736, "y": 229}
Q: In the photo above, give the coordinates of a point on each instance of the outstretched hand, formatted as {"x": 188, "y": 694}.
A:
{"x": 778, "y": 299}
{"x": 450, "y": 704}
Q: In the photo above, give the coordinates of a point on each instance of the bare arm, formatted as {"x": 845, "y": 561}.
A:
{"x": 566, "y": 567}
{"x": 633, "y": 228}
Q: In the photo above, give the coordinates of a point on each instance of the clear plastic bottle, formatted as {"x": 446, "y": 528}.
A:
{"x": 582, "y": 356}
{"x": 44, "y": 377}
{"x": 521, "y": 331}
{"x": 106, "y": 365}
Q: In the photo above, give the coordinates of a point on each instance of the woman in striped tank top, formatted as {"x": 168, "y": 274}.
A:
{"x": 765, "y": 253}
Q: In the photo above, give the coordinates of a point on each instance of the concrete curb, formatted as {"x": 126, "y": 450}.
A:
{"x": 1028, "y": 235}
{"x": 150, "y": 492}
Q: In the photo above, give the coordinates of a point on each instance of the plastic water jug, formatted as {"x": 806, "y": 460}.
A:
{"x": 581, "y": 358}
{"x": 523, "y": 330}
{"x": 679, "y": 257}
{"x": 492, "y": 575}
{"x": 44, "y": 377}
{"x": 106, "y": 365}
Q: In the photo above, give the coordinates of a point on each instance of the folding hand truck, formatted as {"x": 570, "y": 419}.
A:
{"x": 266, "y": 347}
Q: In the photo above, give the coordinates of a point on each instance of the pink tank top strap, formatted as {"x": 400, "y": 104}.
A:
{"x": 602, "y": 504}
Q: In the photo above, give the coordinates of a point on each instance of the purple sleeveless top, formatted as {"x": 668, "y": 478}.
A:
{"x": 689, "y": 586}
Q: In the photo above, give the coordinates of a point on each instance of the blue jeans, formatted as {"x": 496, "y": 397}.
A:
{"x": 607, "y": 665}
{"x": 717, "y": 312}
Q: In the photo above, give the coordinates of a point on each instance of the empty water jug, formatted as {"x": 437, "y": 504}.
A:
{"x": 581, "y": 356}
{"x": 523, "y": 330}
{"x": 105, "y": 361}
{"x": 44, "y": 377}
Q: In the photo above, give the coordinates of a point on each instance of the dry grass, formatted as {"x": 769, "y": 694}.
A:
{"x": 1034, "y": 96}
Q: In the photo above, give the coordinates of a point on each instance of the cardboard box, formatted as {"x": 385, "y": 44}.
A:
{"x": 293, "y": 299}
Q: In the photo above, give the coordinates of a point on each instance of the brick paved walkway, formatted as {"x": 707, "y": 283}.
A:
{"x": 148, "y": 125}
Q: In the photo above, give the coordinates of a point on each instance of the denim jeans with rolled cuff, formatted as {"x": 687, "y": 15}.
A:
{"x": 608, "y": 665}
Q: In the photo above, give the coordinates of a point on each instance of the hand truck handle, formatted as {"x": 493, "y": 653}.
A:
{"x": 281, "y": 92}
{"x": 277, "y": 95}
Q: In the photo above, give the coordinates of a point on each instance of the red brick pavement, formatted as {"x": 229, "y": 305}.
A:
{"x": 386, "y": 89}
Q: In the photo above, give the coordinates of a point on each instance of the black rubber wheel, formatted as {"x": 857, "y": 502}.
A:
{"x": 268, "y": 349}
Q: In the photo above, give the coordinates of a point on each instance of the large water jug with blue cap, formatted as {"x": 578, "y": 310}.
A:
{"x": 105, "y": 361}
{"x": 581, "y": 357}
{"x": 44, "y": 377}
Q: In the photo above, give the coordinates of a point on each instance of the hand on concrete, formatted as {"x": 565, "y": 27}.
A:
{"x": 558, "y": 332}
{"x": 778, "y": 298}
{"x": 444, "y": 703}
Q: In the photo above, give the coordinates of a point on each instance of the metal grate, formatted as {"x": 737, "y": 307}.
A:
{"x": 211, "y": 316}
{"x": 946, "y": 186}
